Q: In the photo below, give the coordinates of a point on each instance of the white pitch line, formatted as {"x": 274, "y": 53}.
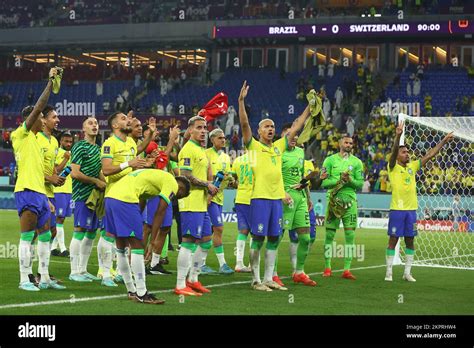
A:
{"x": 96, "y": 298}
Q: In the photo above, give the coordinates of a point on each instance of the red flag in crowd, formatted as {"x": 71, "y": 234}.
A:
{"x": 215, "y": 107}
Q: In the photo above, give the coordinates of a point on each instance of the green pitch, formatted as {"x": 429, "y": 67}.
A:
{"x": 437, "y": 291}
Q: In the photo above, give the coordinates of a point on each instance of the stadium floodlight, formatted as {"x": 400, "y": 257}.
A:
{"x": 445, "y": 235}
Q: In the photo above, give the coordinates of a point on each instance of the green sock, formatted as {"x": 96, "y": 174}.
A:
{"x": 164, "y": 251}
{"x": 242, "y": 236}
{"x": 330, "y": 233}
{"x": 390, "y": 252}
{"x": 349, "y": 249}
{"x": 302, "y": 251}
{"x": 256, "y": 244}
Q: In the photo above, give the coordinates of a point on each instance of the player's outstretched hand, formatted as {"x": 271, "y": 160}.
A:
{"x": 399, "y": 129}
{"x": 53, "y": 72}
{"x": 152, "y": 124}
{"x": 244, "y": 91}
{"x": 137, "y": 163}
{"x": 174, "y": 133}
{"x": 449, "y": 137}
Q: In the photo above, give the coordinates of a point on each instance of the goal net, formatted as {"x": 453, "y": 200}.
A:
{"x": 445, "y": 187}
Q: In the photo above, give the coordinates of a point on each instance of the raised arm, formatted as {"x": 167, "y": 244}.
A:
{"x": 243, "y": 118}
{"x": 152, "y": 125}
{"x": 174, "y": 134}
{"x": 435, "y": 150}
{"x": 396, "y": 144}
{"x": 298, "y": 124}
{"x": 42, "y": 101}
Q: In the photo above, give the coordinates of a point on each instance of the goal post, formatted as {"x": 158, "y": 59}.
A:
{"x": 445, "y": 192}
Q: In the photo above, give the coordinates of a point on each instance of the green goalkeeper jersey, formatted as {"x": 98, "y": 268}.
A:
{"x": 335, "y": 165}
{"x": 292, "y": 167}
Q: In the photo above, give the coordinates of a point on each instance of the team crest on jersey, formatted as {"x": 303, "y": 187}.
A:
{"x": 410, "y": 171}
{"x": 260, "y": 227}
{"x": 276, "y": 150}
{"x": 187, "y": 161}
{"x": 132, "y": 150}
{"x": 107, "y": 150}
{"x": 287, "y": 222}
{"x": 301, "y": 161}
{"x": 350, "y": 167}
{"x": 224, "y": 165}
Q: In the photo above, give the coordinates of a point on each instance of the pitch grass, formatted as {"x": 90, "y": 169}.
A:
{"x": 437, "y": 291}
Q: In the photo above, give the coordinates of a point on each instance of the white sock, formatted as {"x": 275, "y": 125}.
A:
{"x": 389, "y": 261}
{"x": 184, "y": 263}
{"x": 124, "y": 267}
{"x": 255, "y": 264}
{"x": 138, "y": 267}
{"x": 26, "y": 260}
{"x": 59, "y": 239}
{"x": 43, "y": 258}
{"x": 240, "y": 253}
{"x": 155, "y": 259}
{"x": 270, "y": 256}
{"x": 54, "y": 243}
{"x": 75, "y": 252}
{"x": 221, "y": 259}
{"x": 100, "y": 252}
{"x": 293, "y": 249}
{"x": 197, "y": 261}
{"x": 408, "y": 263}
{"x": 86, "y": 249}
{"x": 104, "y": 252}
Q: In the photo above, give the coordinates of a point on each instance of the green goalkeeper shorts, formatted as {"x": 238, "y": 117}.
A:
{"x": 296, "y": 215}
{"x": 349, "y": 219}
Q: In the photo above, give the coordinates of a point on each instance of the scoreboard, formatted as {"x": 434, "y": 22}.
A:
{"x": 347, "y": 30}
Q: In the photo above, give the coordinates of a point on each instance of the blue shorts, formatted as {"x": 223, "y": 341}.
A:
{"x": 62, "y": 204}
{"x": 266, "y": 217}
{"x": 101, "y": 223}
{"x": 312, "y": 228}
{"x": 35, "y": 202}
{"x": 243, "y": 216}
{"x": 196, "y": 224}
{"x": 152, "y": 206}
{"x": 312, "y": 224}
{"x": 144, "y": 214}
{"x": 215, "y": 214}
{"x": 402, "y": 223}
{"x": 52, "y": 219}
{"x": 123, "y": 220}
{"x": 84, "y": 217}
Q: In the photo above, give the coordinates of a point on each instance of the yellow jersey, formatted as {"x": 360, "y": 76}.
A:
{"x": 241, "y": 168}
{"x": 219, "y": 162}
{"x": 193, "y": 157}
{"x": 49, "y": 146}
{"x": 67, "y": 187}
{"x": 308, "y": 168}
{"x": 143, "y": 184}
{"x": 29, "y": 160}
{"x": 119, "y": 151}
{"x": 265, "y": 162}
{"x": 403, "y": 183}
